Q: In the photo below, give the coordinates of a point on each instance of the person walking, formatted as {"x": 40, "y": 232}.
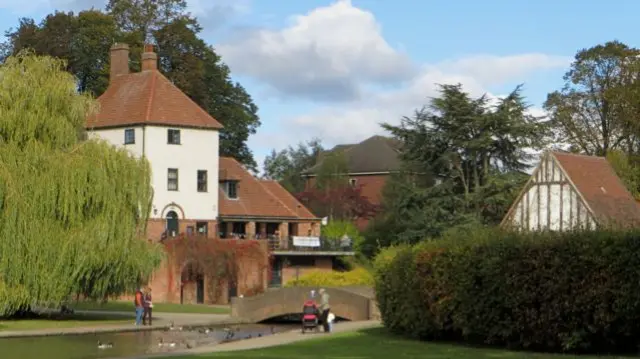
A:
{"x": 148, "y": 304}
{"x": 139, "y": 303}
{"x": 325, "y": 308}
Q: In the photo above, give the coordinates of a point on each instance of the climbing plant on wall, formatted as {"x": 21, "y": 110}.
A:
{"x": 72, "y": 211}
{"x": 222, "y": 262}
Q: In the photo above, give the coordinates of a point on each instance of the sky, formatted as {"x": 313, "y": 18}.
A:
{"x": 336, "y": 69}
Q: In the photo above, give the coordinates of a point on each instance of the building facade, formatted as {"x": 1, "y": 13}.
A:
{"x": 370, "y": 163}
{"x": 197, "y": 195}
{"x": 570, "y": 192}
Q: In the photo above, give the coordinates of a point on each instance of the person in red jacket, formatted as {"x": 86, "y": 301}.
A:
{"x": 139, "y": 303}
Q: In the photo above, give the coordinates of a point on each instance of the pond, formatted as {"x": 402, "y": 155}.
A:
{"x": 85, "y": 346}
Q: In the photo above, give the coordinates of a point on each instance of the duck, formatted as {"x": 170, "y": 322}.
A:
{"x": 162, "y": 343}
{"x": 205, "y": 330}
{"x": 172, "y": 327}
{"x": 102, "y": 345}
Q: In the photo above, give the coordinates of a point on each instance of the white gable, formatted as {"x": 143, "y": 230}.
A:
{"x": 549, "y": 201}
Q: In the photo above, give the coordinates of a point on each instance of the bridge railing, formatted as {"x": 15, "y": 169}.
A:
{"x": 324, "y": 245}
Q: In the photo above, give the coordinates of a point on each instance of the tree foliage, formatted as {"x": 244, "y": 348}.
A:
{"x": 72, "y": 211}
{"x": 331, "y": 195}
{"x": 84, "y": 39}
{"x": 596, "y": 109}
{"x": 627, "y": 168}
{"x": 463, "y": 161}
{"x": 287, "y": 165}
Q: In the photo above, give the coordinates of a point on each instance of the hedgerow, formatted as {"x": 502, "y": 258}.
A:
{"x": 574, "y": 291}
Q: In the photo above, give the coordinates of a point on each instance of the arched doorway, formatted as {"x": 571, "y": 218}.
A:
{"x": 173, "y": 224}
{"x": 192, "y": 284}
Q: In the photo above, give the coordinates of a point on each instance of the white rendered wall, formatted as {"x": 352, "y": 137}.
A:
{"x": 198, "y": 151}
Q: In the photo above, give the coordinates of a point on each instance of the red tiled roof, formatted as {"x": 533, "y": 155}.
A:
{"x": 257, "y": 198}
{"x": 148, "y": 98}
{"x": 602, "y": 189}
{"x": 288, "y": 199}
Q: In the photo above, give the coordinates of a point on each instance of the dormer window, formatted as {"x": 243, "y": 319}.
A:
{"x": 230, "y": 188}
{"x": 173, "y": 137}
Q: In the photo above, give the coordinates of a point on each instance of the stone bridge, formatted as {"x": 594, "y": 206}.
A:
{"x": 351, "y": 303}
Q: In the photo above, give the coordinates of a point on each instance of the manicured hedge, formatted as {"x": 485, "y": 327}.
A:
{"x": 564, "y": 292}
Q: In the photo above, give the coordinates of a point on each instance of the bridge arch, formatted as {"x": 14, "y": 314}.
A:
{"x": 351, "y": 303}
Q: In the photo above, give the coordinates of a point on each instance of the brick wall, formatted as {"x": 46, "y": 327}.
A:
{"x": 304, "y": 227}
{"x": 165, "y": 282}
{"x": 155, "y": 227}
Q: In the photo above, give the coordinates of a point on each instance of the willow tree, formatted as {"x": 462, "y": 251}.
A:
{"x": 72, "y": 211}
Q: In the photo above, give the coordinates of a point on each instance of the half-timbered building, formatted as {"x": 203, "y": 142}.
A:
{"x": 568, "y": 191}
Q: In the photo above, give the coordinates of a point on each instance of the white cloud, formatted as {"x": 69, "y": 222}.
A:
{"x": 331, "y": 53}
{"x": 313, "y": 58}
{"x": 354, "y": 122}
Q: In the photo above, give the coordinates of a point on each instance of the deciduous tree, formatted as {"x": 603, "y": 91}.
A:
{"x": 287, "y": 165}
{"x": 596, "y": 110}
{"x": 72, "y": 211}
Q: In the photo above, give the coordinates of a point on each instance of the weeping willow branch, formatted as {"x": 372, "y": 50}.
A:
{"x": 70, "y": 210}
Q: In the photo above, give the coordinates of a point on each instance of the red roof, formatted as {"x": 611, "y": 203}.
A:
{"x": 257, "y": 198}
{"x": 148, "y": 98}
{"x": 602, "y": 189}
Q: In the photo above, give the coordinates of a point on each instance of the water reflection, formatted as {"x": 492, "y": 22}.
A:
{"x": 127, "y": 344}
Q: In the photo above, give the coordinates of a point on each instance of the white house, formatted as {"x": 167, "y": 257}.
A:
{"x": 145, "y": 113}
{"x": 569, "y": 191}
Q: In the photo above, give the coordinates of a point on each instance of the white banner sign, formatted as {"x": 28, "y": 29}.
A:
{"x": 306, "y": 241}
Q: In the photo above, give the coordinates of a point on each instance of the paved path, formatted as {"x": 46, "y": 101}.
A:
{"x": 268, "y": 341}
{"x": 160, "y": 321}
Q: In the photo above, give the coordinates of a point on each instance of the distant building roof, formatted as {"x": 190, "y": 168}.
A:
{"x": 146, "y": 97}
{"x": 257, "y": 198}
{"x": 373, "y": 155}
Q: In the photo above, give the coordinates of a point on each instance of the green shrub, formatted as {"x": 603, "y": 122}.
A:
{"x": 355, "y": 277}
{"x": 568, "y": 292}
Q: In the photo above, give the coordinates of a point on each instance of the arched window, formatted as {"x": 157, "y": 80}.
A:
{"x": 173, "y": 224}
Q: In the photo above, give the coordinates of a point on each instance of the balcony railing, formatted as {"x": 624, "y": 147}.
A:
{"x": 325, "y": 245}
{"x": 283, "y": 244}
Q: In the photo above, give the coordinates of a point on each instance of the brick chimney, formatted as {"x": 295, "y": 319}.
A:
{"x": 119, "y": 60}
{"x": 149, "y": 58}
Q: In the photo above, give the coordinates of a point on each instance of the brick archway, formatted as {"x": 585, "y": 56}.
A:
{"x": 172, "y": 207}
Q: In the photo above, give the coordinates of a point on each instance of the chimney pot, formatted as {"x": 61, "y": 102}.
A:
{"x": 119, "y": 64}
{"x": 149, "y": 58}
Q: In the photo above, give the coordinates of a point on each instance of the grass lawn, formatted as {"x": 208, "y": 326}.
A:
{"x": 376, "y": 343}
{"x": 121, "y": 306}
{"x": 69, "y": 321}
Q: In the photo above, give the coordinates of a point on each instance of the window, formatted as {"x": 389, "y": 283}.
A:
{"x": 172, "y": 179}
{"x": 352, "y": 182}
{"x": 202, "y": 181}
{"x": 231, "y": 189}
{"x": 202, "y": 227}
{"x": 173, "y": 137}
{"x": 129, "y": 136}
